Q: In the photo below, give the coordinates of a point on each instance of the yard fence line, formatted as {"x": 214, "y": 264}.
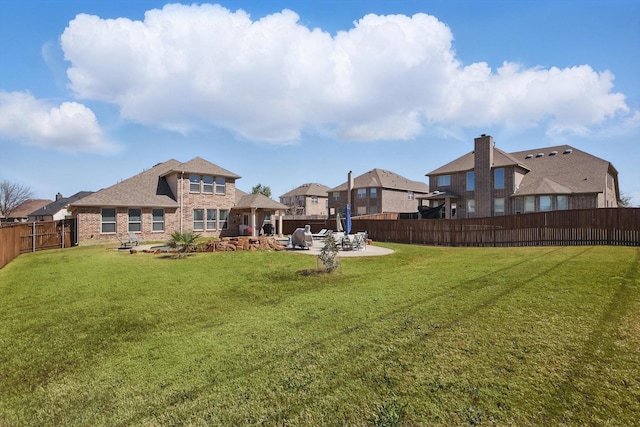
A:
{"x": 16, "y": 239}
{"x": 607, "y": 226}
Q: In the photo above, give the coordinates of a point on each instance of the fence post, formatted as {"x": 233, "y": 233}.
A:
{"x": 33, "y": 236}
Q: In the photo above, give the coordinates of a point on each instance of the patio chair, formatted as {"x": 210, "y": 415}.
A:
{"x": 125, "y": 242}
{"x": 321, "y": 234}
{"x": 358, "y": 241}
{"x": 133, "y": 239}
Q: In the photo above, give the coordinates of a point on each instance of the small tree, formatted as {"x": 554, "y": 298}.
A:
{"x": 328, "y": 254}
{"x": 261, "y": 189}
{"x": 184, "y": 242}
{"x": 11, "y": 195}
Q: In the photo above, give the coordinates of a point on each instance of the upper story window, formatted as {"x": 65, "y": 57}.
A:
{"x": 444, "y": 180}
{"x": 498, "y": 178}
{"x": 410, "y": 195}
{"x": 471, "y": 181}
{"x": 207, "y": 184}
{"x": 221, "y": 185}
{"x": 362, "y": 193}
{"x": 373, "y": 193}
{"x": 194, "y": 183}
{"x": 336, "y": 195}
{"x": 314, "y": 200}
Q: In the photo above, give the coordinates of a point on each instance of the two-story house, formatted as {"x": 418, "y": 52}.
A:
{"x": 307, "y": 200}
{"x": 171, "y": 196}
{"x": 489, "y": 181}
{"x": 376, "y": 191}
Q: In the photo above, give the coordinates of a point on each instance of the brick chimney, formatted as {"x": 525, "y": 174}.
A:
{"x": 58, "y": 196}
{"x": 483, "y": 161}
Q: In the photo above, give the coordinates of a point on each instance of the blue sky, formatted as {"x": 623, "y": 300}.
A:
{"x": 284, "y": 93}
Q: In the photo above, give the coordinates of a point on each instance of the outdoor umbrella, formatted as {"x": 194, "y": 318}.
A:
{"x": 348, "y": 220}
{"x": 338, "y": 223}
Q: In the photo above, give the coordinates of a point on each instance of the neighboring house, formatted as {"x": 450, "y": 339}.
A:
{"x": 171, "y": 196}
{"x": 377, "y": 191}
{"x": 253, "y": 211}
{"x": 57, "y": 210}
{"x": 489, "y": 181}
{"x": 22, "y": 211}
{"x": 308, "y": 200}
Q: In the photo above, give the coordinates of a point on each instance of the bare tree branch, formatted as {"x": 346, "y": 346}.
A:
{"x": 11, "y": 195}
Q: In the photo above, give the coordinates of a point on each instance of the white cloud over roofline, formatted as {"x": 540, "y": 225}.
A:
{"x": 388, "y": 77}
{"x": 68, "y": 127}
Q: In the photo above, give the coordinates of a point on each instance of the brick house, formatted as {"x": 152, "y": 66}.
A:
{"x": 489, "y": 182}
{"x": 309, "y": 200}
{"x": 171, "y": 196}
{"x": 23, "y": 210}
{"x": 376, "y": 191}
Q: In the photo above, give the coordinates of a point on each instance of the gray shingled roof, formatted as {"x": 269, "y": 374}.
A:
{"x": 309, "y": 189}
{"x": 567, "y": 171}
{"x": 147, "y": 189}
{"x": 201, "y": 166}
{"x": 57, "y": 205}
{"x": 384, "y": 179}
{"x": 257, "y": 201}
{"x": 465, "y": 163}
{"x": 551, "y": 170}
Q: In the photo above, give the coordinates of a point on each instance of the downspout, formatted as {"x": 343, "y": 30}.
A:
{"x": 181, "y": 199}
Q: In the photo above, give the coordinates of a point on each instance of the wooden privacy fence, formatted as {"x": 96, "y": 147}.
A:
{"x": 16, "y": 239}
{"x": 610, "y": 226}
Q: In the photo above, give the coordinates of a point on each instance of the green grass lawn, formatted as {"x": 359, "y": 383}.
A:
{"x": 426, "y": 336}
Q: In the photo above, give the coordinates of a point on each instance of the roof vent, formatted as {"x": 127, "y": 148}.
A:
{"x": 553, "y": 153}
{"x": 567, "y": 151}
{"x": 528, "y": 156}
{"x": 539, "y": 154}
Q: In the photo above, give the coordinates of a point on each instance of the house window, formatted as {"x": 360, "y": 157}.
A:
{"x": 207, "y": 184}
{"x": 223, "y": 222}
{"x": 362, "y": 210}
{"x": 212, "y": 219}
{"x": 194, "y": 183}
{"x": 362, "y": 193}
{"x": 563, "y": 203}
{"x": 498, "y": 206}
{"x": 519, "y": 205}
{"x": 373, "y": 193}
{"x": 409, "y": 195}
{"x": 198, "y": 219}
{"x": 373, "y": 209}
{"x": 135, "y": 220}
{"x": 157, "y": 220}
{"x": 545, "y": 203}
{"x": 471, "y": 181}
{"x": 314, "y": 200}
{"x": 267, "y": 215}
{"x": 471, "y": 208}
{"x": 221, "y": 185}
{"x": 444, "y": 181}
{"x": 108, "y": 221}
{"x": 336, "y": 195}
{"x": 529, "y": 204}
{"x": 498, "y": 178}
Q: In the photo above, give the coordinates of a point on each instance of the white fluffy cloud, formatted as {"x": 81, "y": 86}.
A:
{"x": 187, "y": 67}
{"x": 69, "y": 127}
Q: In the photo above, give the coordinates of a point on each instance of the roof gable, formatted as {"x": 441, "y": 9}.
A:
{"x": 309, "y": 189}
{"x": 200, "y": 166}
{"x": 466, "y": 162}
{"x": 386, "y": 180}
